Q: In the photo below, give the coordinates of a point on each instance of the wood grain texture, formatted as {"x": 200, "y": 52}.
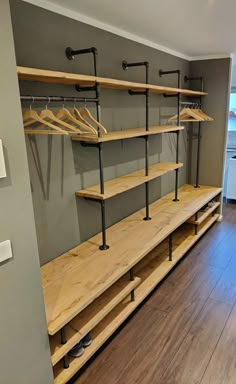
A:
{"x": 74, "y": 280}
{"x": 55, "y": 77}
{"x": 77, "y": 328}
{"x": 124, "y": 183}
{"x": 191, "y": 338}
{"x": 222, "y": 366}
{"x": 198, "y": 345}
{"x": 128, "y": 134}
{"x": 203, "y": 215}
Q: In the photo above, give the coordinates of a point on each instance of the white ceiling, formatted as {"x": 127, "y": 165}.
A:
{"x": 187, "y": 28}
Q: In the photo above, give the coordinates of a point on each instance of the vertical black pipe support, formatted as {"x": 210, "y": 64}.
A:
{"x": 125, "y": 66}
{"x": 178, "y": 72}
{"x": 64, "y": 341}
{"x": 131, "y": 274}
{"x": 170, "y": 247}
{"x": 70, "y": 54}
{"x": 199, "y": 128}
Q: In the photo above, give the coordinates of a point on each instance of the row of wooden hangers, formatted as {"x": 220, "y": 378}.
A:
{"x": 191, "y": 115}
{"x": 64, "y": 122}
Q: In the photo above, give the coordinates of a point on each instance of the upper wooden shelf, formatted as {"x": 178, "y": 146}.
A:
{"x": 127, "y": 134}
{"x": 124, "y": 183}
{"x": 74, "y": 280}
{"x": 46, "y": 76}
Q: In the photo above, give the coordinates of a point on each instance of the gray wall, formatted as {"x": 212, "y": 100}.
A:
{"x": 62, "y": 221}
{"x": 25, "y": 355}
{"x": 217, "y": 76}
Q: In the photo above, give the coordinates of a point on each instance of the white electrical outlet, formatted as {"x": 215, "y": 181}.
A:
{"x": 5, "y": 250}
{"x": 2, "y": 162}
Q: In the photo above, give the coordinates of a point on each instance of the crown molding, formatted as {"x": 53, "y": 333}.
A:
{"x": 47, "y": 4}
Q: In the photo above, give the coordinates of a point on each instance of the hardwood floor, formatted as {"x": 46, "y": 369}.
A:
{"x": 185, "y": 333}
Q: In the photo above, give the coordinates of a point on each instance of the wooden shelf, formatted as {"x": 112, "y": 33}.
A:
{"x": 74, "y": 280}
{"x": 150, "y": 276}
{"x": 55, "y": 77}
{"x": 124, "y": 183}
{"x": 90, "y": 317}
{"x": 203, "y": 215}
{"x": 128, "y": 134}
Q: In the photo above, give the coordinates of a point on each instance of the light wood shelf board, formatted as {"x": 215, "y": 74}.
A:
{"x": 74, "y": 280}
{"x": 124, "y": 183}
{"x": 154, "y": 272}
{"x": 128, "y": 134}
{"x": 151, "y": 276}
{"x": 203, "y": 215}
{"x": 56, "y": 77}
{"x": 90, "y": 317}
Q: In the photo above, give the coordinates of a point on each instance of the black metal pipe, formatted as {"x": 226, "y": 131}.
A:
{"x": 131, "y": 274}
{"x": 63, "y": 336}
{"x": 198, "y": 156}
{"x": 170, "y": 247}
{"x": 161, "y": 72}
{"x": 195, "y": 78}
{"x": 195, "y": 229}
{"x": 104, "y": 245}
{"x": 126, "y": 65}
{"x": 71, "y": 53}
{"x": 59, "y": 99}
{"x": 101, "y": 168}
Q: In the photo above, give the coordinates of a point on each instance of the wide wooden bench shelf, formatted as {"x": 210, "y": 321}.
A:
{"x": 77, "y": 328}
{"x": 203, "y": 215}
{"x": 124, "y": 183}
{"x": 151, "y": 271}
{"x": 55, "y": 77}
{"x": 128, "y": 134}
{"x": 74, "y": 280}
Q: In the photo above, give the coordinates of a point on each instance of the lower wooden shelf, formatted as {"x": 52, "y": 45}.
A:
{"x": 202, "y": 215}
{"x": 151, "y": 271}
{"x": 74, "y": 280}
{"x": 77, "y": 328}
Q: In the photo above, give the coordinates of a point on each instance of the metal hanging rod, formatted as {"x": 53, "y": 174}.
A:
{"x": 60, "y": 99}
{"x": 189, "y": 103}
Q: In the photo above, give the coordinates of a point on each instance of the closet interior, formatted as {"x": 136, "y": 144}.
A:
{"x": 95, "y": 286}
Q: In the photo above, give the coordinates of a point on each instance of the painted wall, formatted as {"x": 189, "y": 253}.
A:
{"x": 25, "y": 357}
{"x": 64, "y": 167}
{"x": 217, "y": 76}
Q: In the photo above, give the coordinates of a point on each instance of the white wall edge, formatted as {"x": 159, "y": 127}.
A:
{"x": 46, "y": 4}
{"x": 211, "y": 57}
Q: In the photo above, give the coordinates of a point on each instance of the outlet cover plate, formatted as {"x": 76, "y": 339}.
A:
{"x": 2, "y": 162}
{"x": 5, "y": 250}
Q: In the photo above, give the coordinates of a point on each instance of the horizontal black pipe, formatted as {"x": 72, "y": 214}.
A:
{"x": 71, "y": 53}
{"x": 60, "y": 99}
{"x": 161, "y": 72}
{"x": 126, "y": 65}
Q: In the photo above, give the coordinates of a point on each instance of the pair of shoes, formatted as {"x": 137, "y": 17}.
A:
{"x": 78, "y": 349}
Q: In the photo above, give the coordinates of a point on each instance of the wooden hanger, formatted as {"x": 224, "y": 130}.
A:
{"x": 65, "y": 113}
{"x": 31, "y": 117}
{"x": 80, "y": 118}
{"x": 48, "y": 114}
{"x": 191, "y": 115}
{"x": 86, "y": 112}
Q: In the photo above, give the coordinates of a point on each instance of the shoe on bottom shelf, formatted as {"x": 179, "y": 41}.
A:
{"x": 77, "y": 350}
{"x": 87, "y": 340}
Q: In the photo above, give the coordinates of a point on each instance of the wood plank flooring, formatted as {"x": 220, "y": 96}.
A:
{"x": 185, "y": 333}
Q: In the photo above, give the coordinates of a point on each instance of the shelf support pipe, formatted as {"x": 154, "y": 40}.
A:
{"x": 70, "y": 54}
{"x": 64, "y": 341}
{"x": 125, "y": 66}
{"x": 200, "y": 78}
{"x": 178, "y": 95}
{"x": 131, "y": 273}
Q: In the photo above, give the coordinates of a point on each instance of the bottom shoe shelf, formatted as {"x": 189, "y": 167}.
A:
{"x": 151, "y": 270}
